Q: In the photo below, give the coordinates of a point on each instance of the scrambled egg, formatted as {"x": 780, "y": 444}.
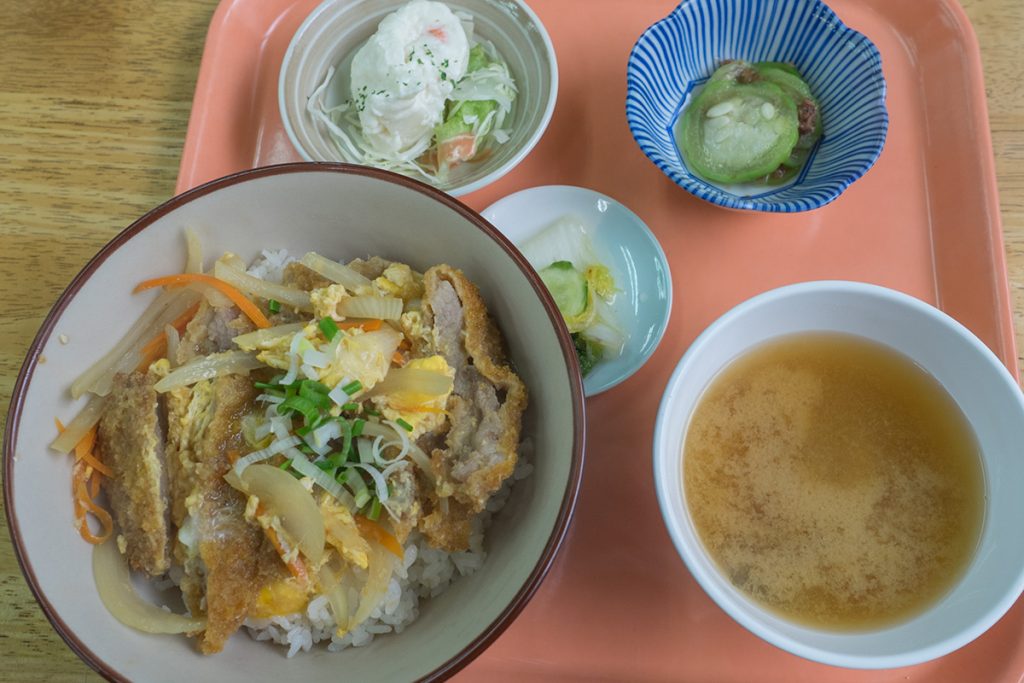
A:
{"x": 400, "y": 280}
{"x": 325, "y": 300}
{"x": 424, "y": 412}
{"x": 287, "y": 596}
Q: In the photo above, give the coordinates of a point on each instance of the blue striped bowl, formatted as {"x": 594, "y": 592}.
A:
{"x": 842, "y": 67}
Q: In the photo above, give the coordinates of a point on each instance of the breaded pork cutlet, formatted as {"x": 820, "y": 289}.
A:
{"x": 131, "y": 441}
{"x": 486, "y": 408}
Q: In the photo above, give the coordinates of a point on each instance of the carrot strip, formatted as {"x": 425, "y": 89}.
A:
{"x": 378, "y": 533}
{"x": 84, "y": 452}
{"x": 365, "y": 325}
{"x": 156, "y": 348}
{"x": 295, "y": 566}
{"x": 84, "y": 506}
{"x": 244, "y": 304}
{"x": 398, "y": 359}
{"x": 94, "y": 487}
{"x": 83, "y": 449}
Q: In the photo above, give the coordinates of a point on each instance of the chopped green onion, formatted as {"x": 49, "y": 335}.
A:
{"x": 403, "y": 424}
{"x": 374, "y": 513}
{"x": 309, "y": 392}
{"x": 325, "y": 465}
{"x": 274, "y": 386}
{"x": 352, "y": 387}
{"x": 346, "y": 431}
{"x": 285, "y": 465}
{"x": 371, "y": 412}
{"x": 357, "y": 427}
{"x": 313, "y": 385}
{"x": 274, "y": 305}
{"x": 329, "y": 328}
{"x": 299, "y": 404}
{"x": 350, "y": 406}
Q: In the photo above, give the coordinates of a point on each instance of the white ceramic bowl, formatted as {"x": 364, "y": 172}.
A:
{"x": 335, "y": 30}
{"x": 625, "y": 244}
{"x": 986, "y": 393}
{"x": 343, "y": 212}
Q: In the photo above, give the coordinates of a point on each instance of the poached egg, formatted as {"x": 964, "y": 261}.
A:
{"x": 402, "y": 76}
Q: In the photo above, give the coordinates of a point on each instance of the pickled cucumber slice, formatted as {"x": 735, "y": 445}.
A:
{"x": 568, "y": 287}
{"x": 736, "y": 132}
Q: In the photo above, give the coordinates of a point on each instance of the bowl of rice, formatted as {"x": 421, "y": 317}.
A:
{"x": 441, "y": 605}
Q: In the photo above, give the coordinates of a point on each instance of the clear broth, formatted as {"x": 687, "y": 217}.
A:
{"x": 834, "y": 481}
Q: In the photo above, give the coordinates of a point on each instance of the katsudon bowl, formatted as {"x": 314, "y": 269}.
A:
{"x": 344, "y": 212}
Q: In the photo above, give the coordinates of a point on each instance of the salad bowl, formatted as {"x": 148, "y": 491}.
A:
{"x": 335, "y": 31}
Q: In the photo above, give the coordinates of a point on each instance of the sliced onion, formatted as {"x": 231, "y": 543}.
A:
{"x": 114, "y": 586}
{"x": 293, "y": 359}
{"x": 194, "y": 252}
{"x": 365, "y": 448}
{"x": 125, "y": 355}
{"x": 413, "y": 380}
{"x": 208, "y": 367}
{"x": 381, "y": 564}
{"x": 403, "y": 436}
{"x": 82, "y": 423}
{"x": 254, "y": 286}
{"x": 334, "y": 271}
{"x": 316, "y": 359}
{"x": 286, "y": 498}
{"x": 279, "y": 446}
{"x": 416, "y": 453}
{"x": 372, "y": 307}
{"x": 337, "y": 394}
{"x": 336, "y": 592}
{"x": 380, "y": 485}
{"x": 261, "y": 339}
{"x": 173, "y": 339}
{"x": 323, "y": 434}
{"x": 302, "y": 465}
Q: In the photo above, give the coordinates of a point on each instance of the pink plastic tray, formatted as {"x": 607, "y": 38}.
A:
{"x": 619, "y": 603}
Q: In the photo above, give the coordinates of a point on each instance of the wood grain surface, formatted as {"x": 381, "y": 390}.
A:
{"x": 94, "y": 103}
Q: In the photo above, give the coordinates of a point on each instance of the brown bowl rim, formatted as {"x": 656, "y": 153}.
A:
{"x": 540, "y": 570}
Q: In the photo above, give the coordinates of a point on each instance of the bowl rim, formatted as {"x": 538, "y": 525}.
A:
{"x": 457, "y": 191}
{"x": 711, "y": 193}
{"x": 14, "y": 412}
{"x": 660, "y": 455}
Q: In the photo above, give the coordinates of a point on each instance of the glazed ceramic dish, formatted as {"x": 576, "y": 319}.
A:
{"x": 842, "y": 67}
{"x": 643, "y": 303}
{"x": 336, "y": 29}
{"x": 990, "y": 399}
{"x": 346, "y": 212}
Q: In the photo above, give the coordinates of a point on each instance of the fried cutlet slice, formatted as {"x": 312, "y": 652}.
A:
{"x": 220, "y": 551}
{"x": 486, "y": 405}
{"x": 232, "y": 548}
{"x": 131, "y": 441}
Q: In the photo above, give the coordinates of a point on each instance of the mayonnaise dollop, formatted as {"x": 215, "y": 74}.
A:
{"x": 402, "y": 76}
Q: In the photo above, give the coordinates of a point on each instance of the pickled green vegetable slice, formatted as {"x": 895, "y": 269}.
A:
{"x": 736, "y": 132}
{"x": 568, "y": 287}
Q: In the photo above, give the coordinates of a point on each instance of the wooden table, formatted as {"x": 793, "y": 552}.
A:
{"x": 94, "y": 103}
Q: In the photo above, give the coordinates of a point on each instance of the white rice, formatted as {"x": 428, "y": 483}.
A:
{"x": 270, "y": 265}
{"x": 425, "y": 572}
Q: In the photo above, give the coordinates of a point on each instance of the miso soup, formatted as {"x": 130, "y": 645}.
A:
{"x": 834, "y": 481}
